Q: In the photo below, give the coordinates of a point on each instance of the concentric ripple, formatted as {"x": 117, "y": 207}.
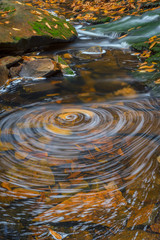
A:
{"x": 52, "y": 144}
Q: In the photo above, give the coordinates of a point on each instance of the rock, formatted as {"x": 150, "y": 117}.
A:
{"x": 141, "y": 216}
{"x": 79, "y": 236}
{"x": 155, "y": 227}
{"x": 104, "y": 207}
{"x": 9, "y": 61}
{"x": 14, "y": 71}
{"x": 27, "y": 28}
{"x": 32, "y": 173}
{"x": 66, "y": 70}
{"x": 90, "y": 53}
{"x": 38, "y": 68}
{"x": 135, "y": 234}
{"x": 4, "y": 74}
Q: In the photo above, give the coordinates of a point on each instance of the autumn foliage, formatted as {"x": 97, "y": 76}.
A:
{"x": 98, "y": 9}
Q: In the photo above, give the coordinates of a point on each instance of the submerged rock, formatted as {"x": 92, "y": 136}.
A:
{"x": 92, "y": 207}
{"x": 134, "y": 234}
{"x": 90, "y": 53}
{"x": 27, "y": 28}
{"x": 38, "y": 68}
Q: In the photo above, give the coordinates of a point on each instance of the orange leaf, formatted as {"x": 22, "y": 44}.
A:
{"x": 6, "y": 185}
{"x": 123, "y": 36}
{"x": 56, "y": 235}
{"x": 152, "y": 45}
{"x": 58, "y": 130}
{"x": 120, "y": 152}
{"x": 157, "y": 81}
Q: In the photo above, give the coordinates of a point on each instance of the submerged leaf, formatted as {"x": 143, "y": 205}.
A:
{"x": 56, "y": 235}
{"x": 58, "y": 130}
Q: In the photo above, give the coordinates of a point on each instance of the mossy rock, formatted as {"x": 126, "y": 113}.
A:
{"x": 27, "y": 28}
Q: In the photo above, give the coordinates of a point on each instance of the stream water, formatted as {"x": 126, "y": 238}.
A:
{"x": 80, "y": 156}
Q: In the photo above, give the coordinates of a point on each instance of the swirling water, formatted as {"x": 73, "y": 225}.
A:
{"x": 80, "y": 158}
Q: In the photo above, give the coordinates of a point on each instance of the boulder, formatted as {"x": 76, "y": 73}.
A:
{"x": 3, "y": 74}
{"x": 38, "y": 68}
{"x": 26, "y": 28}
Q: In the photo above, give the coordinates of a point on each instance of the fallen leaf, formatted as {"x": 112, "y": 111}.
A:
{"x": 47, "y": 24}
{"x": 58, "y": 130}
{"x": 16, "y": 29}
{"x": 152, "y": 45}
{"x": 56, "y": 235}
{"x": 157, "y": 81}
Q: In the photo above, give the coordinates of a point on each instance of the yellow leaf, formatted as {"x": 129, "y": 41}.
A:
{"x": 157, "y": 81}
{"x": 47, "y": 24}
{"x": 58, "y": 130}
{"x": 158, "y": 159}
{"x": 4, "y": 146}
{"x": 35, "y": 12}
{"x": 146, "y": 66}
{"x": 56, "y": 235}
{"x": 152, "y": 45}
{"x": 123, "y": 36}
{"x": 97, "y": 149}
{"x": 65, "y": 24}
{"x": 21, "y": 155}
{"x": 16, "y": 29}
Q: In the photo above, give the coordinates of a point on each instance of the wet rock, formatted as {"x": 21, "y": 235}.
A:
{"x": 9, "y": 61}
{"x": 155, "y": 227}
{"x": 96, "y": 207}
{"x": 90, "y": 53}
{"x": 4, "y": 73}
{"x": 27, "y": 28}
{"x": 141, "y": 216}
{"x": 38, "y": 68}
{"x": 66, "y": 70}
{"x": 40, "y": 86}
{"x": 14, "y": 71}
{"x": 79, "y": 236}
{"x": 135, "y": 234}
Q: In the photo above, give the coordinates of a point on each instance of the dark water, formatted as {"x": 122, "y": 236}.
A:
{"x": 80, "y": 156}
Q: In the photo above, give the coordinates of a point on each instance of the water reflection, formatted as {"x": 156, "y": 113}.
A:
{"x": 92, "y": 162}
{"x": 79, "y": 154}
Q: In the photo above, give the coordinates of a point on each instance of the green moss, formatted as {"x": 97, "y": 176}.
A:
{"x": 101, "y": 20}
{"x": 6, "y": 7}
{"x": 154, "y": 58}
{"x": 57, "y": 30}
{"x": 66, "y": 70}
{"x": 140, "y": 46}
{"x": 16, "y": 38}
{"x": 156, "y": 48}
